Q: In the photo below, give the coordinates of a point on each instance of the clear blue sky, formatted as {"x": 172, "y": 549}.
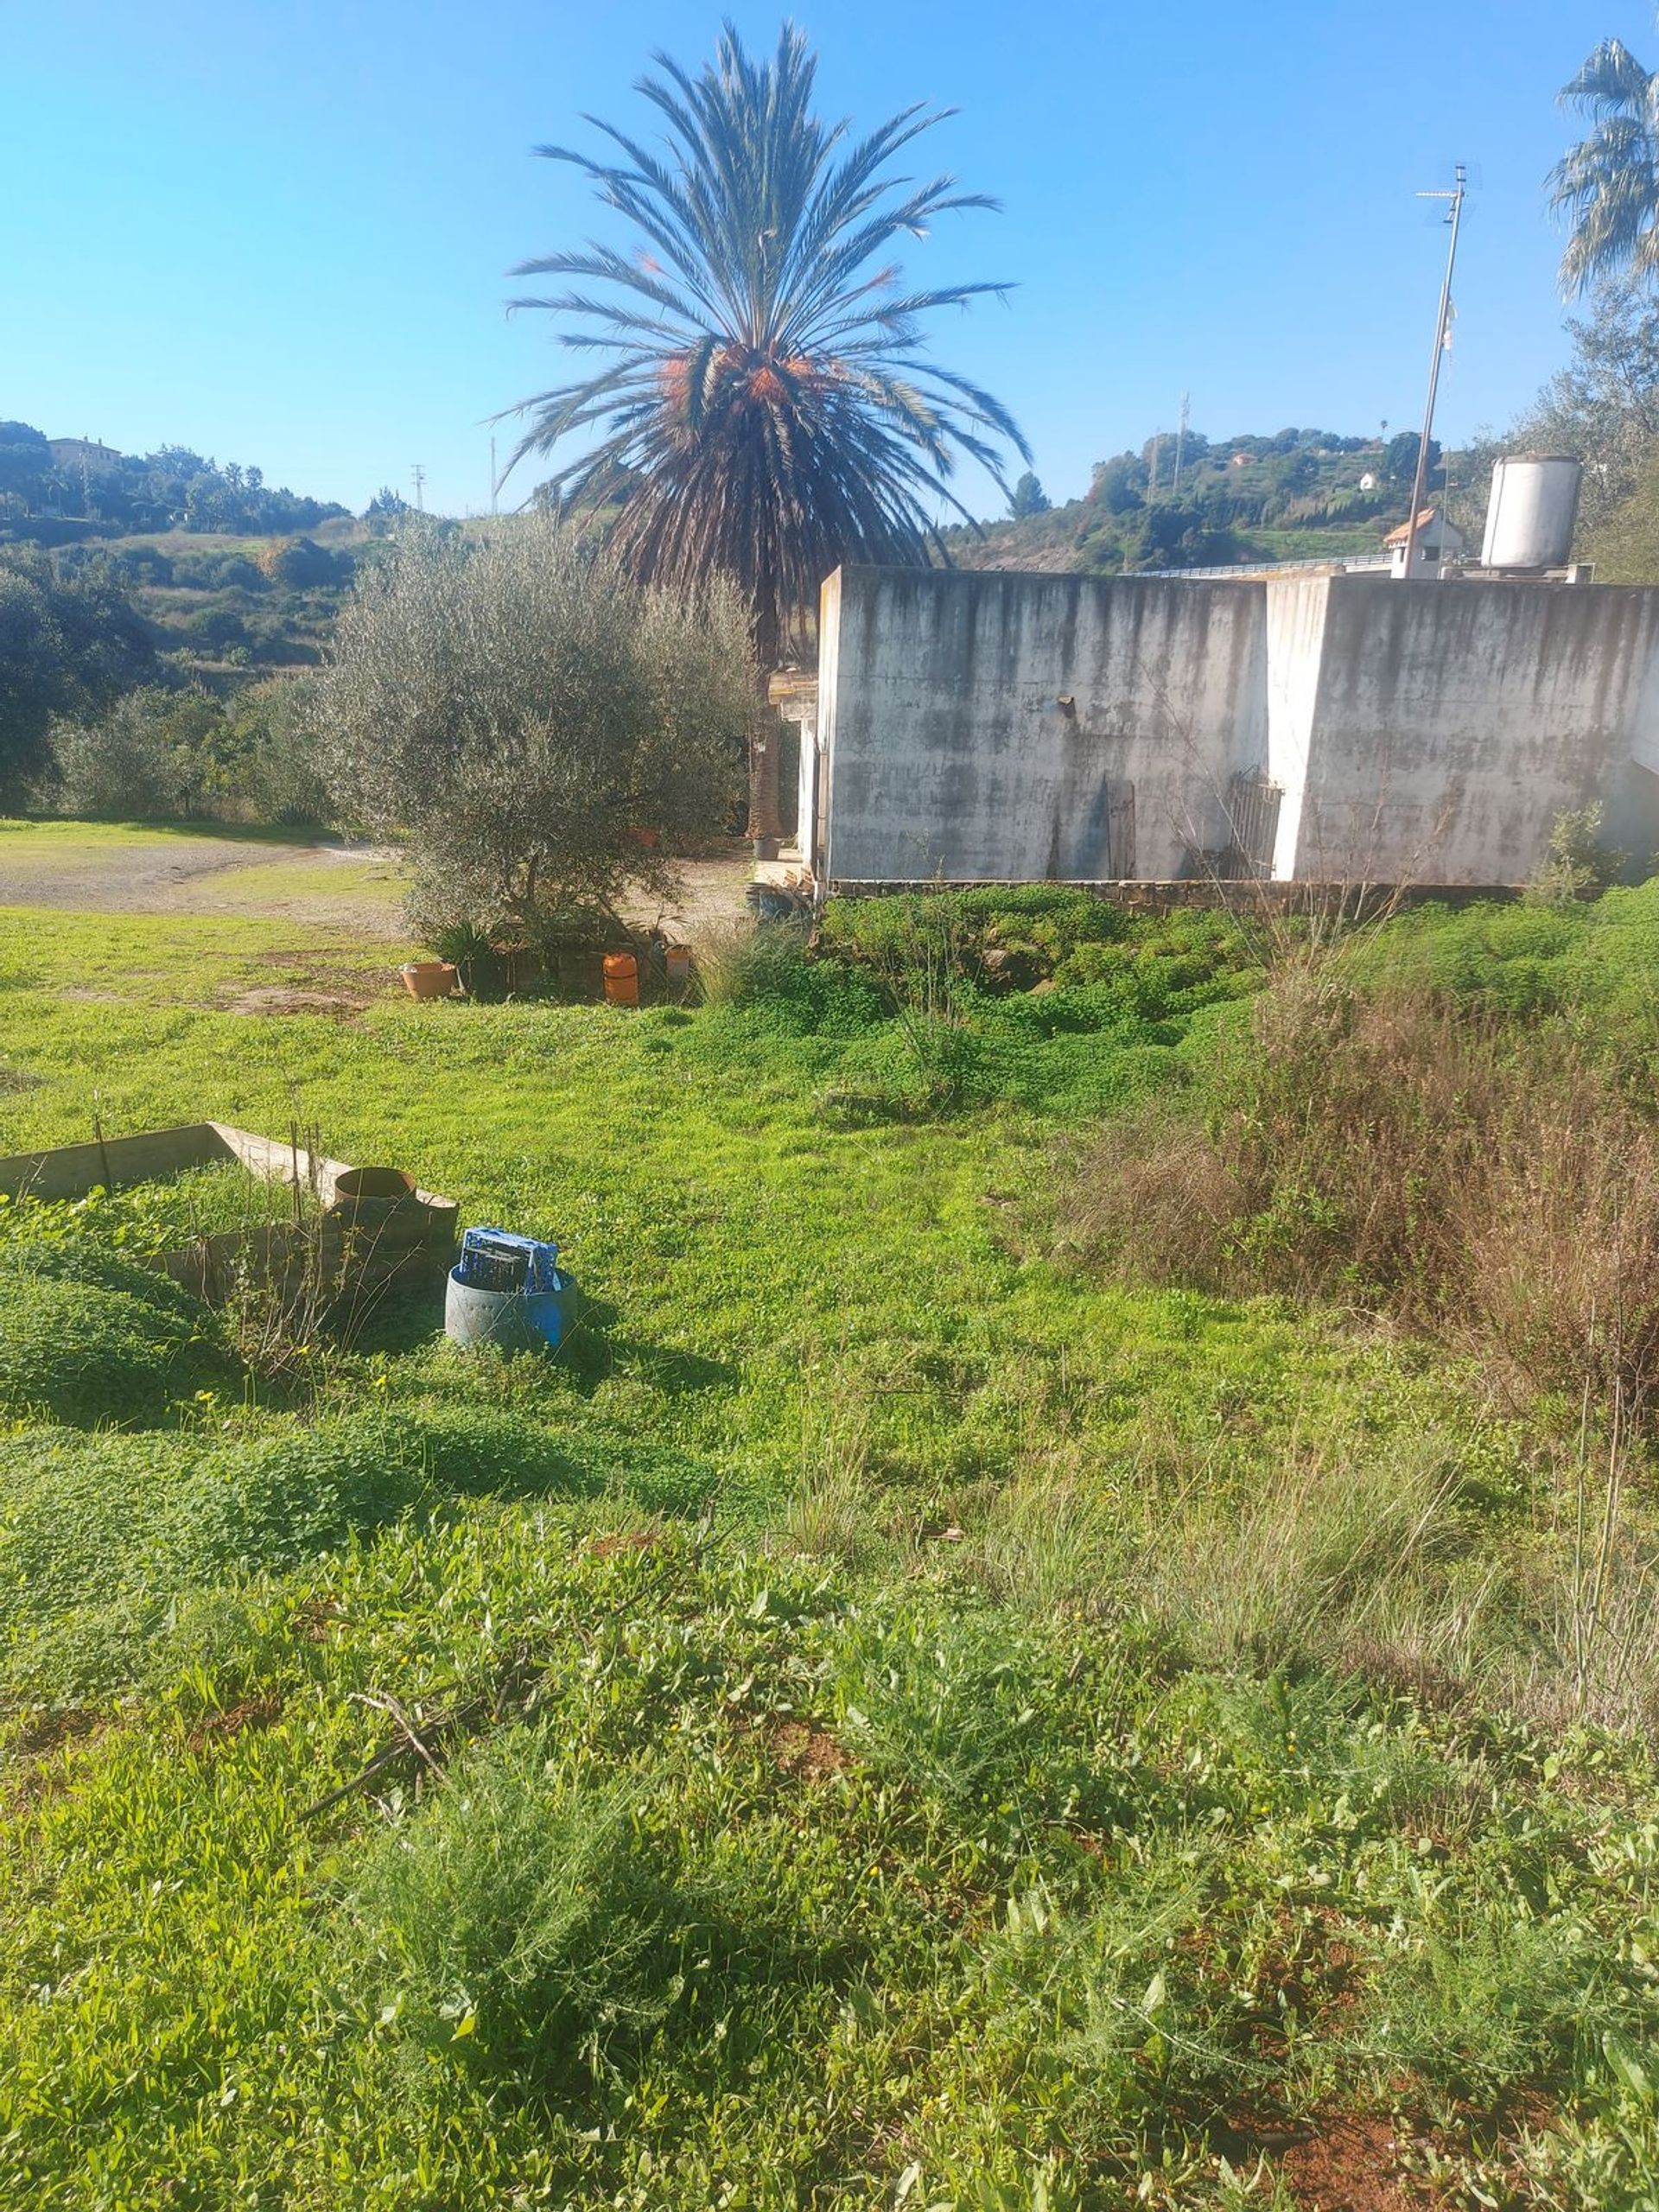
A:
{"x": 277, "y": 230}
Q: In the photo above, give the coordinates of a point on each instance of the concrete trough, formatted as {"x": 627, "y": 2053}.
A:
{"x": 359, "y": 1248}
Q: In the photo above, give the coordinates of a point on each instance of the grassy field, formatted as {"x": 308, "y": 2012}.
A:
{"x": 899, "y": 1711}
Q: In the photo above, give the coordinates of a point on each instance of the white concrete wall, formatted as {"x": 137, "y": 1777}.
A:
{"x": 954, "y": 752}
{"x": 1422, "y": 732}
{"x": 1296, "y": 616}
{"x": 1454, "y": 722}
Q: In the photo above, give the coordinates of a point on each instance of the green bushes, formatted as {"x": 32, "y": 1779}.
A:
{"x": 100, "y": 1535}
{"x": 1493, "y": 1185}
{"x": 1041, "y": 997}
{"x": 181, "y": 755}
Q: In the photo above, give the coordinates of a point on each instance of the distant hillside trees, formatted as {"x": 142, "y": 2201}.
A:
{"x": 68, "y": 645}
{"x": 1400, "y": 459}
{"x": 385, "y": 508}
{"x": 178, "y": 753}
{"x": 170, "y": 487}
{"x": 1027, "y": 497}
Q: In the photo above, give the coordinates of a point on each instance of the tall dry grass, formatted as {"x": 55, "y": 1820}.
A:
{"x": 1498, "y": 1189}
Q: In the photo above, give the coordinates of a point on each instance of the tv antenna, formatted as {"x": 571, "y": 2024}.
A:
{"x": 1455, "y": 196}
{"x": 420, "y": 487}
{"x": 1180, "y": 442}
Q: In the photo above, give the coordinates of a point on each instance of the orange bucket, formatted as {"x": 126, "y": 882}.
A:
{"x": 621, "y": 979}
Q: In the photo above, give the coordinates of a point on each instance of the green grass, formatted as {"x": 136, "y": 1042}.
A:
{"x": 884, "y": 1719}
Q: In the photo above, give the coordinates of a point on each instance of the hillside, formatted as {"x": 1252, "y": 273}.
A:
{"x": 1299, "y": 494}
{"x": 231, "y": 577}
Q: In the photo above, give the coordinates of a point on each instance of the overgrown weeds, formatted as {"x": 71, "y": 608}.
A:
{"x": 1386, "y": 1149}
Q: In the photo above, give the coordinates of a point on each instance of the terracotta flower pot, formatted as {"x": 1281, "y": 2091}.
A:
{"x": 429, "y": 979}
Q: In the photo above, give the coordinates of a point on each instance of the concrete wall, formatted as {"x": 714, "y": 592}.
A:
{"x": 1454, "y": 722}
{"x": 984, "y": 725}
{"x": 993, "y": 726}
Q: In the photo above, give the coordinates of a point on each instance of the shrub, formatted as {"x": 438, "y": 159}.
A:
{"x": 1577, "y": 860}
{"x": 512, "y": 1915}
{"x": 128, "y": 767}
{"x": 276, "y": 769}
{"x": 543, "y": 731}
{"x": 1498, "y": 1187}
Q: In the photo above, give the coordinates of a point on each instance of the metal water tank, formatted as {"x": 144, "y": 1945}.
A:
{"x": 1533, "y": 506}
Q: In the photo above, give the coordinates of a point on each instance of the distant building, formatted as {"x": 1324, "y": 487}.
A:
{"x": 1367, "y": 481}
{"x": 84, "y": 452}
{"x": 1437, "y": 542}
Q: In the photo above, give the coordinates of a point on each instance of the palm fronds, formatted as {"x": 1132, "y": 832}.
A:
{"x": 759, "y": 385}
{"x": 1607, "y": 186}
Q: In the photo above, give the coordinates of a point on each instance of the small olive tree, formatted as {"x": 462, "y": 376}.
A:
{"x": 541, "y": 733}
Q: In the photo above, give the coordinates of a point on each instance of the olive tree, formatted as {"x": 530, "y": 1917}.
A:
{"x": 539, "y": 730}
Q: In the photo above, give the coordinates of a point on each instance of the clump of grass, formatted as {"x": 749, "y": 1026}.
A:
{"x": 515, "y": 1915}
{"x": 1494, "y": 2000}
{"x": 101, "y": 1536}
{"x": 74, "y": 1352}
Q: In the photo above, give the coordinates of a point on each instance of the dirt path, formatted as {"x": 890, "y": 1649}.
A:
{"x": 357, "y": 889}
{"x": 124, "y": 879}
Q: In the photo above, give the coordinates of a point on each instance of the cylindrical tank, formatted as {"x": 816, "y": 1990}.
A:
{"x": 1533, "y": 506}
{"x": 516, "y": 1320}
{"x": 621, "y": 979}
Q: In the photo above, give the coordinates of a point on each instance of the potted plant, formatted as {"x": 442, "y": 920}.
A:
{"x": 430, "y": 979}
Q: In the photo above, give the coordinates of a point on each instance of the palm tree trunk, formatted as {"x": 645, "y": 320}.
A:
{"x": 766, "y": 830}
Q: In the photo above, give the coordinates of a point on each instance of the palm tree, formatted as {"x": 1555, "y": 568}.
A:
{"x": 1607, "y": 186}
{"x": 763, "y": 405}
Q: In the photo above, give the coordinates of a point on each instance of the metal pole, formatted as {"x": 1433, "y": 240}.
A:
{"x": 1419, "y": 481}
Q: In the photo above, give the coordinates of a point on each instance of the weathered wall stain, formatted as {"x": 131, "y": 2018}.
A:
{"x": 989, "y": 725}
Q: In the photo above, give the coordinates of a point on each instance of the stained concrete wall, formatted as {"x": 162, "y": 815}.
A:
{"x": 995, "y": 726}
{"x": 985, "y": 725}
{"x": 1452, "y": 723}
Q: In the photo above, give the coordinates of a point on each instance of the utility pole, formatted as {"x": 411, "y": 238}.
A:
{"x": 420, "y": 488}
{"x": 1454, "y": 217}
{"x": 1180, "y": 442}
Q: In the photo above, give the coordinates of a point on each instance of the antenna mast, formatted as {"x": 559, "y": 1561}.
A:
{"x": 1420, "y": 478}
{"x": 1180, "y": 443}
{"x": 420, "y": 487}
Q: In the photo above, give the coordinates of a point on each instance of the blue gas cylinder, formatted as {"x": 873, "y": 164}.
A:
{"x": 508, "y": 1290}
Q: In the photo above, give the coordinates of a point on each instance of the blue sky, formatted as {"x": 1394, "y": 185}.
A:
{"x": 279, "y": 230}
